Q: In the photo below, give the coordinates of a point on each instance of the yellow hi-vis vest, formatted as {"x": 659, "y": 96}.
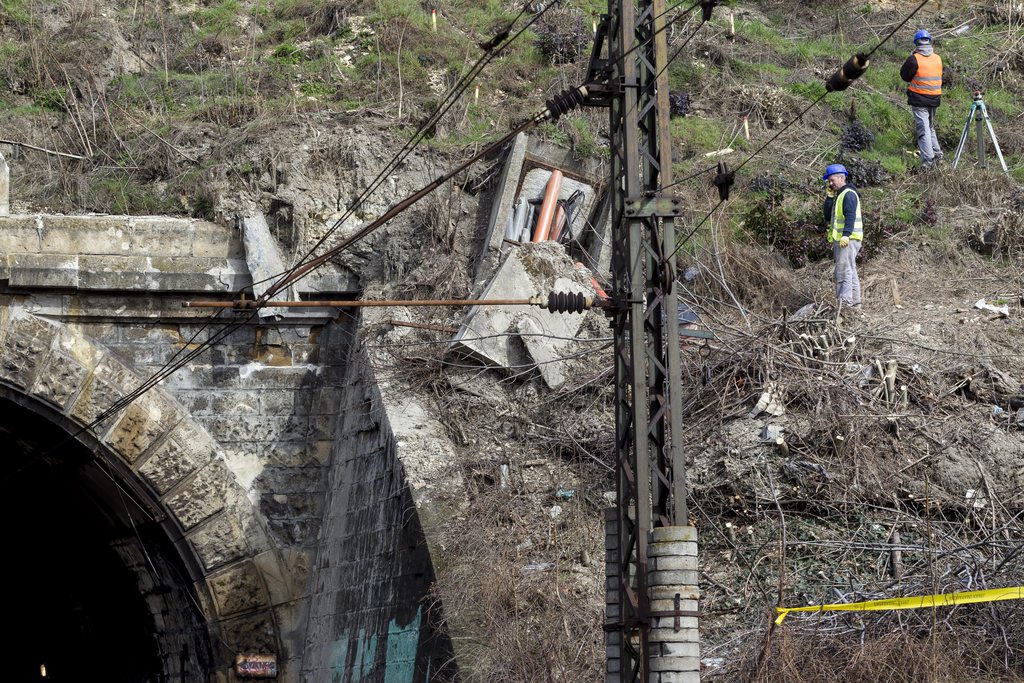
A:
{"x": 928, "y": 79}
{"x": 839, "y": 219}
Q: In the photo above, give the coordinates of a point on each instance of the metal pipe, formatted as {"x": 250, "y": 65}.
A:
{"x": 344, "y": 303}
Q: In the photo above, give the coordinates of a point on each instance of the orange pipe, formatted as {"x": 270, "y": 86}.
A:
{"x": 559, "y": 224}
{"x": 547, "y": 209}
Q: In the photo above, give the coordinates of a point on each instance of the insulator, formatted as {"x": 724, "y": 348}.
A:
{"x": 495, "y": 41}
{"x": 724, "y": 180}
{"x": 706, "y": 7}
{"x": 567, "y": 302}
{"x": 564, "y": 102}
{"x": 848, "y": 73}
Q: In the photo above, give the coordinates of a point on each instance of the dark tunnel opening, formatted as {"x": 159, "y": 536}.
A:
{"x": 97, "y": 590}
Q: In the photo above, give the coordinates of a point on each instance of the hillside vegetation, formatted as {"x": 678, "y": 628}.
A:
{"x": 903, "y": 467}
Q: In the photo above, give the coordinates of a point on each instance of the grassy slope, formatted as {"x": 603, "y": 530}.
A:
{"x": 151, "y": 136}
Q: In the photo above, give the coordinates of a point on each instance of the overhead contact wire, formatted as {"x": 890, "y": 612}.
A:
{"x": 172, "y": 365}
{"x": 806, "y": 109}
{"x": 453, "y": 95}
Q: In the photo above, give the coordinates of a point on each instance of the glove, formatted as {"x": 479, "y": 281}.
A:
{"x": 844, "y": 241}
{"x": 829, "y": 192}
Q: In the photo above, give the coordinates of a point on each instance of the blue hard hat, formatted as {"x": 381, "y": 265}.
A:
{"x": 833, "y": 169}
{"x": 922, "y": 36}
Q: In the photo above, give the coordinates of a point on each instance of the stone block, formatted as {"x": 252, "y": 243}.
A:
{"x": 220, "y": 541}
{"x": 234, "y": 402}
{"x": 216, "y": 241}
{"x": 251, "y": 633}
{"x": 674, "y": 534}
{"x": 682, "y": 649}
{"x": 85, "y": 235}
{"x": 201, "y": 496}
{"x": 665, "y": 599}
{"x": 675, "y": 663}
{"x": 288, "y": 402}
{"x": 174, "y": 459}
{"x": 285, "y": 574}
{"x": 675, "y": 677}
{"x": 673, "y": 548}
{"x": 671, "y": 562}
{"x": 676, "y": 577}
{"x": 144, "y": 421}
{"x": 21, "y": 357}
{"x": 239, "y": 588}
{"x": 19, "y": 234}
{"x": 43, "y": 270}
{"x": 159, "y": 236}
{"x": 59, "y": 380}
{"x": 666, "y": 628}
{"x": 257, "y": 428}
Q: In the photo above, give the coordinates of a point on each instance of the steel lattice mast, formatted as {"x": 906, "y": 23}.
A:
{"x": 651, "y": 480}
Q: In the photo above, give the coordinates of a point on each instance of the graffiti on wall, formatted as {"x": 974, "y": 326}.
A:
{"x": 354, "y": 659}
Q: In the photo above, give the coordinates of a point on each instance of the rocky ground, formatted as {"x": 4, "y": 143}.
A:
{"x": 873, "y": 491}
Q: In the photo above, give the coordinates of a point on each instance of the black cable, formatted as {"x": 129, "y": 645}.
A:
{"x": 682, "y": 242}
{"x": 173, "y": 365}
{"x": 450, "y": 99}
{"x": 806, "y": 109}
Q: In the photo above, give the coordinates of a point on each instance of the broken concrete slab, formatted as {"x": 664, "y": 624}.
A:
{"x": 519, "y": 338}
{"x": 265, "y": 262}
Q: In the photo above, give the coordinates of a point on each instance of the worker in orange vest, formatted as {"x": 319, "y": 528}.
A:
{"x": 923, "y": 71}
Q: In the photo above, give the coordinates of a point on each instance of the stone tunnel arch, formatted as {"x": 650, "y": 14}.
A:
{"x": 152, "y": 488}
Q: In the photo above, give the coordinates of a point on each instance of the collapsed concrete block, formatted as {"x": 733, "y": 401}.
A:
{"x": 520, "y": 338}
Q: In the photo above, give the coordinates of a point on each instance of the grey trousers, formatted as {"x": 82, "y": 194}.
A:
{"x": 927, "y": 140}
{"x": 847, "y": 282}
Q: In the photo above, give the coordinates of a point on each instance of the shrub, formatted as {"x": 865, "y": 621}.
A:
{"x": 856, "y": 137}
{"x": 562, "y": 35}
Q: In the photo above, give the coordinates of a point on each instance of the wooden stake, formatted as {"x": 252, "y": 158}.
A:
{"x": 746, "y": 128}
{"x": 895, "y": 555}
{"x": 476, "y": 95}
{"x": 732, "y": 24}
{"x": 782, "y": 447}
{"x": 433, "y": 19}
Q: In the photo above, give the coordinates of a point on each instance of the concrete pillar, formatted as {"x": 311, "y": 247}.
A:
{"x": 5, "y": 187}
{"x": 672, "y": 586}
{"x": 505, "y": 196}
{"x": 612, "y": 611}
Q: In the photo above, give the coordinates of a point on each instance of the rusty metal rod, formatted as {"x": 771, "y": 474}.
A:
{"x": 344, "y": 303}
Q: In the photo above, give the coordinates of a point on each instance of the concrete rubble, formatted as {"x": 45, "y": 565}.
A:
{"x": 525, "y": 338}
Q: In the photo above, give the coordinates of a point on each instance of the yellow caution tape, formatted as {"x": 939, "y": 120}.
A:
{"x": 940, "y": 600}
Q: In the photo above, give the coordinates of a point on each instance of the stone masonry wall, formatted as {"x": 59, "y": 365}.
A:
{"x": 370, "y": 619}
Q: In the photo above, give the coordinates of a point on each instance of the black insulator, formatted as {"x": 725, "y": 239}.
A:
{"x": 563, "y": 102}
{"x": 495, "y": 41}
{"x": 706, "y": 7}
{"x": 567, "y": 302}
{"x": 848, "y": 73}
{"x": 724, "y": 180}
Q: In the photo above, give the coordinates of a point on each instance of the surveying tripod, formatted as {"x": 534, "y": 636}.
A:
{"x": 980, "y": 115}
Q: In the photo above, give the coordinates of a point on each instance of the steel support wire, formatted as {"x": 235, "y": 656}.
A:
{"x": 492, "y": 49}
{"x": 651, "y": 488}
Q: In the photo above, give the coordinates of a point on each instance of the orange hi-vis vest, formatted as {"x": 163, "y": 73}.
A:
{"x": 928, "y": 79}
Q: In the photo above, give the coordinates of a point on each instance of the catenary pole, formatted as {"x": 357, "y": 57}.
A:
{"x": 651, "y": 515}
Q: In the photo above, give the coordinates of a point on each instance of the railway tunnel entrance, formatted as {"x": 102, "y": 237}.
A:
{"x": 98, "y": 588}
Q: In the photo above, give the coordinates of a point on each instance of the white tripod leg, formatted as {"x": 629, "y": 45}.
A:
{"x": 963, "y": 137}
{"x": 999, "y": 152}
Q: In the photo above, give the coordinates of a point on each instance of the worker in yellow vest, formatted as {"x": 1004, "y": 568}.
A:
{"x": 923, "y": 71}
{"x": 845, "y": 225}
